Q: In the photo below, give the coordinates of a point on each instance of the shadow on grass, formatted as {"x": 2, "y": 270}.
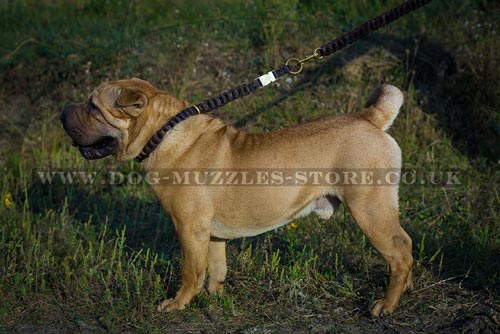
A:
{"x": 146, "y": 224}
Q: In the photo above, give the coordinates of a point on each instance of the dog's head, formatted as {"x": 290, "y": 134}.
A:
{"x": 118, "y": 118}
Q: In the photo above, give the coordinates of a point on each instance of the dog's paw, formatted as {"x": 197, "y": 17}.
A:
{"x": 380, "y": 308}
{"x": 171, "y": 304}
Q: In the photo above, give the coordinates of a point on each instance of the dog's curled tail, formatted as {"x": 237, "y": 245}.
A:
{"x": 382, "y": 106}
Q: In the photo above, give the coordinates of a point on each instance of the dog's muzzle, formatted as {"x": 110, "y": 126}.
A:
{"x": 91, "y": 145}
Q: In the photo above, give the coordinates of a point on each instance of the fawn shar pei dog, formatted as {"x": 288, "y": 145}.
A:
{"x": 120, "y": 117}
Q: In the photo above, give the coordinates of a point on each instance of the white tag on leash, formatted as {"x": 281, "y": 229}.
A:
{"x": 266, "y": 79}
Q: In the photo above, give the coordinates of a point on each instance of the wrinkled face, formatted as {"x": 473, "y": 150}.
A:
{"x": 100, "y": 126}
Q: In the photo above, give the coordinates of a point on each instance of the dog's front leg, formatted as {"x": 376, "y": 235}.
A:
{"x": 194, "y": 237}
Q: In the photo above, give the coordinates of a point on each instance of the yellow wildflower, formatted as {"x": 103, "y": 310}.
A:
{"x": 292, "y": 226}
{"x": 7, "y": 200}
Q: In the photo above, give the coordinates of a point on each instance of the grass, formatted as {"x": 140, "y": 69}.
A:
{"x": 94, "y": 257}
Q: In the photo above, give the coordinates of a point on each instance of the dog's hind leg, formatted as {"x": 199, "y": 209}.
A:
{"x": 194, "y": 238}
{"x": 217, "y": 268}
{"x": 375, "y": 210}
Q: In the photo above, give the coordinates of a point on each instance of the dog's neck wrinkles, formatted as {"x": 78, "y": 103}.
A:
{"x": 179, "y": 140}
{"x": 164, "y": 106}
{"x": 140, "y": 137}
{"x": 166, "y": 103}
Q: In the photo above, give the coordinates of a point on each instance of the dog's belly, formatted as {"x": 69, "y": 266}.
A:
{"x": 324, "y": 207}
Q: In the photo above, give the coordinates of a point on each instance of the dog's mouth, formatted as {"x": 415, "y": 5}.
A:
{"x": 101, "y": 148}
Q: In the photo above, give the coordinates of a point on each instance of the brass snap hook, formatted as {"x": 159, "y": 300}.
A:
{"x": 298, "y": 64}
{"x": 295, "y": 63}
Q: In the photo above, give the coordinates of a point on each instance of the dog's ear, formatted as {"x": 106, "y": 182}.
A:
{"x": 132, "y": 101}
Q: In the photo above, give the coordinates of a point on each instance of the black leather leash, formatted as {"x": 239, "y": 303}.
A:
{"x": 292, "y": 66}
